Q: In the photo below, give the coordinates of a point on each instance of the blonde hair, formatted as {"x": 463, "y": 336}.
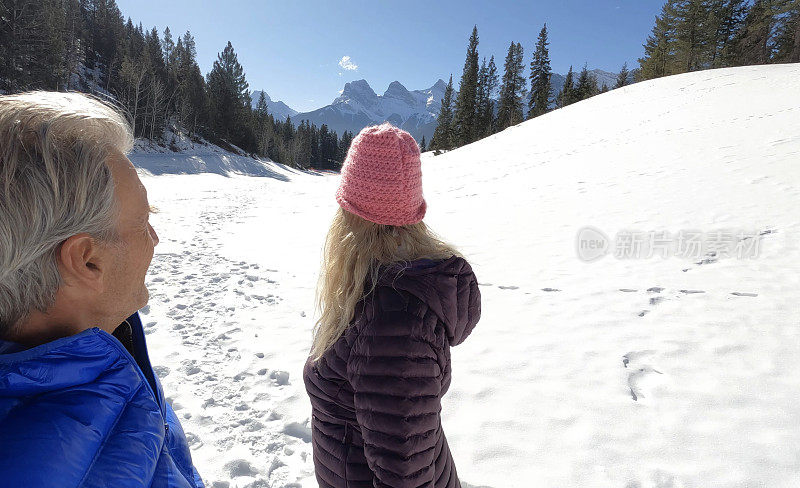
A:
{"x": 54, "y": 183}
{"x": 354, "y": 250}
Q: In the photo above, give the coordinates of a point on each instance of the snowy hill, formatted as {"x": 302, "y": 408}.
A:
{"x": 183, "y": 155}
{"x": 619, "y": 372}
{"x": 359, "y": 106}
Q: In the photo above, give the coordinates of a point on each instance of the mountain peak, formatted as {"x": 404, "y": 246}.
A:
{"x": 256, "y": 94}
{"x": 394, "y": 87}
{"x": 358, "y": 87}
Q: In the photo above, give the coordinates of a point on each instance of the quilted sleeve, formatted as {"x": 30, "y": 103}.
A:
{"x": 397, "y": 380}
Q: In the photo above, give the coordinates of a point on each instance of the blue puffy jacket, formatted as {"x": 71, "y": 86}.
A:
{"x": 87, "y": 411}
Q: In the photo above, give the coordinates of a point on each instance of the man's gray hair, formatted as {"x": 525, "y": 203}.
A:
{"x": 55, "y": 184}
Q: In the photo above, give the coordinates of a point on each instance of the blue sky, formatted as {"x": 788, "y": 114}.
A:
{"x": 303, "y": 52}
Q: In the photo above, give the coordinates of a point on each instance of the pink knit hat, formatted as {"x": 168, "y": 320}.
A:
{"x": 382, "y": 178}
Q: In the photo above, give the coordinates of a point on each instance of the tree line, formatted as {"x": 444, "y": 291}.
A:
{"x": 691, "y": 35}
{"x": 86, "y": 45}
{"x": 473, "y": 112}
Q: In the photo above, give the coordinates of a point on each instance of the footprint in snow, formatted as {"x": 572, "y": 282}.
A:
{"x": 709, "y": 258}
{"x": 280, "y": 377}
{"x": 643, "y": 381}
{"x": 295, "y": 429}
{"x": 635, "y": 356}
{"x": 161, "y": 371}
{"x": 240, "y": 467}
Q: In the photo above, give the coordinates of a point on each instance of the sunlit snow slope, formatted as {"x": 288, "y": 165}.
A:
{"x": 630, "y": 373}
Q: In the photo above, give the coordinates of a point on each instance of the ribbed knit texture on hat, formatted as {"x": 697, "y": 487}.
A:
{"x": 382, "y": 177}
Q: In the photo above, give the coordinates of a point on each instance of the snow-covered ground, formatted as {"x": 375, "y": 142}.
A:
{"x": 620, "y": 372}
{"x": 182, "y": 154}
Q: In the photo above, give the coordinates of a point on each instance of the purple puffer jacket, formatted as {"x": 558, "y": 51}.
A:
{"x": 376, "y": 394}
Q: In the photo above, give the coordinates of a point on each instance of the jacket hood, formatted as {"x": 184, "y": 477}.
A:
{"x": 449, "y": 288}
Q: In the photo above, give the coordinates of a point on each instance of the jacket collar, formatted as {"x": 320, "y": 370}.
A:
{"x": 75, "y": 360}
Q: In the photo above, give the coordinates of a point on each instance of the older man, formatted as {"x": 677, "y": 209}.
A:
{"x": 79, "y": 402}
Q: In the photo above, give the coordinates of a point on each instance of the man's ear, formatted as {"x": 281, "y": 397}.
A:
{"x": 81, "y": 262}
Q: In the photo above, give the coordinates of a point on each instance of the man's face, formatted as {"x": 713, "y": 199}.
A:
{"x": 125, "y": 291}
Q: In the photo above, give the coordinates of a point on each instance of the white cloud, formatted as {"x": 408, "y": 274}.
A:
{"x": 345, "y": 63}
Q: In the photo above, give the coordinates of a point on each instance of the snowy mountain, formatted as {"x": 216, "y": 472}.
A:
{"x": 676, "y": 370}
{"x": 279, "y": 110}
{"x": 415, "y": 111}
{"x": 359, "y": 106}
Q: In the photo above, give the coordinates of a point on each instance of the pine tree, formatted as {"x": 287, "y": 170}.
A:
{"x": 330, "y": 148}
{"x": 693, "y": 34}
{"x": 513, "y": 90}
{"x": 464, "y": 117}
{"x": 487, "y": 83}
{"x": 568, "y": 94}
{"x": 422, "y": 147}
{"x": 659, "y": 50}
{"x": 622, "y": 77}
{"x": 228, "y": 93}
{"x": 168, "y": 46}
{"x": 540, "y": 77}
{"x": 194, "y": 97}
{"x": 344, "y": 145}
{"x": 480, "y": 99}
{"x": 726, "y": 18}
{"x": 263, "y": 125}
{"x": 604, "y": 88}
{"x": 443, "y": 135}
{"x": 752, "y": 44}
{"x": 156, "y": 86}
{"x": 73, "y": 40}
{"x": 288, "y": 130}
{"x": 302, "y": 145}
{"x": 787, "y": 36}
{"x": 49, "y": 69}
{"x": 587, "y": 84}
{"x": 104, "y": 27}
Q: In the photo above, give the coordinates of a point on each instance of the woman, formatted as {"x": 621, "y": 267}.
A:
{"x": 393, "y": 299}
